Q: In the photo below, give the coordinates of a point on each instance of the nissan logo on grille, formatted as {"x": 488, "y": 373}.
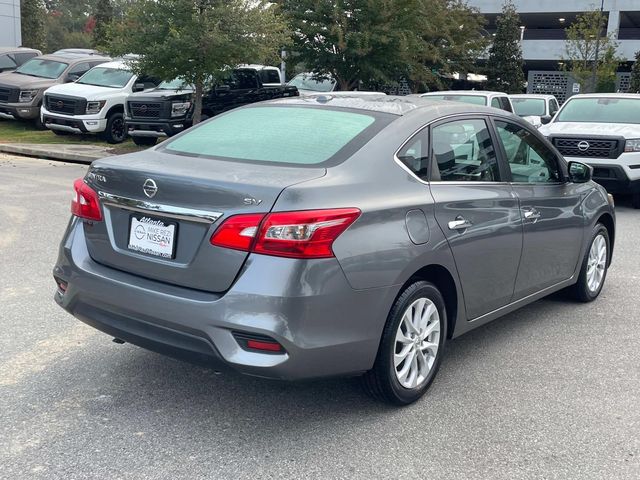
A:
{"x": 59, "y": 104}
{"x": 143, "y": 108}
{"x": 150, "y": 188}
{"x": 583, "y": 146}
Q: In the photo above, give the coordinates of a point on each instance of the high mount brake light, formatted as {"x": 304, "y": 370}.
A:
{"x": 85, "y": 202}
{"x": 302, "y": 234}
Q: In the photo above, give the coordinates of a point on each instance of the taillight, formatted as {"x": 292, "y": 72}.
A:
{"x": 303, "y": 234}
{"x": 85, "y": 202}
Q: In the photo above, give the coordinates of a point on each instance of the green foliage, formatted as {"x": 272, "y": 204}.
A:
{"x": 635, "y": 75}
{"x": 505, "y": 66}
{"x": 198, "y": 39}
{"x": 33, "y": 15}
{"x": 585, "y": 47}
{"x": 103, "y": 17}
{"x": 365, "y": 43}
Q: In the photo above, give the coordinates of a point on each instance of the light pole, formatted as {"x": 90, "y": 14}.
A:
{"x": 594, "y": 73}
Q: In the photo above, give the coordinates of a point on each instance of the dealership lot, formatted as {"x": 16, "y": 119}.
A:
{"x": 550, "y": 391}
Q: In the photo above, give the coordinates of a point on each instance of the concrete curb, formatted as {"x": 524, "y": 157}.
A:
{"x": 70, "y": 153}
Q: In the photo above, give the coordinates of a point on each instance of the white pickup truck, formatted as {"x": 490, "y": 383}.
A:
{"x": 94, "y": 103}
{"x": 602, "y": 130}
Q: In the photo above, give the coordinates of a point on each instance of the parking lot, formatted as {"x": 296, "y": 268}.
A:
{"x": 550, "y": 391}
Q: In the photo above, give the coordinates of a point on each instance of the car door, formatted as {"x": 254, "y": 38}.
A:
{"x": 551, "y": 209}
{"x": 477, "y": 211}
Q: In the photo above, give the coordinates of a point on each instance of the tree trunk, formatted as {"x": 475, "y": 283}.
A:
{"x": 197, "y": 99}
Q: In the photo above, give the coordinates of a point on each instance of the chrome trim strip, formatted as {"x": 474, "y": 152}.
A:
{"x": 7, "y": 116}
{"x": 146, "y": 133}
{"x": 180, "y": 213}
{"x": 63, "y": 128}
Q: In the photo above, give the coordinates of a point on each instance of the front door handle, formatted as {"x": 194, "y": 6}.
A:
{"x": 460, "y": 223}
{"x": 531, "y": 214}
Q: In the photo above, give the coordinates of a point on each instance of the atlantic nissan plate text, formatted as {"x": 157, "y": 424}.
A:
{"x": 331, "y": 235}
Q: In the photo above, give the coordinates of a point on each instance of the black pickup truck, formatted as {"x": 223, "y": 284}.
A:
{"x": 168, "y": 109}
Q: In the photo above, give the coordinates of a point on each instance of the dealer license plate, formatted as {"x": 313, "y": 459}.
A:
{"x": 152, "y": 236}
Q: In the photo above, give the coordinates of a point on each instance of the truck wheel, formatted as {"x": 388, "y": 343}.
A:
{"x": 38, "y": 123}
{"x": 411, "y": 347}
{"x": 115, "y": 131}
{"x": 144, "y": 141}
{"x": 635, "y": 200}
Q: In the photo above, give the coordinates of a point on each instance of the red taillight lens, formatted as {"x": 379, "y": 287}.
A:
{"x": 304, "y": 234}
{"x": 85, "y": 202}
{"x": 238, "y": 232}
{"x": 267, "y": 346}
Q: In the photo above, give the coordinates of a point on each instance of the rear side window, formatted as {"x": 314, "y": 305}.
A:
{"x": 288, "y": 135}
{"x": 269, "y": 76}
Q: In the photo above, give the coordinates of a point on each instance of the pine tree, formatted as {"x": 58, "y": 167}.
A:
{"x": 103, "y": 18}
{"x": 635, "y": 75}
{"x": 33, "y": 15}
{"x": 505, "y": 64}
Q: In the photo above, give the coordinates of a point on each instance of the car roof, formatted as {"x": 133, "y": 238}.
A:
{"x": 117, "y": 64}
{"x": 257, "y": 66}
{"x": 605, "y": 95}
{"x": 391, "y": 104}
{"x": 71, "y": 57}
{"x": 532, "y": 95}
{"x": 17, "y": 49}
{"x": 465, "y": 92}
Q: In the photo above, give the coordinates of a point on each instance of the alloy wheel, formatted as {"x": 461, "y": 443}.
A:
{"x": 597, "y": 263}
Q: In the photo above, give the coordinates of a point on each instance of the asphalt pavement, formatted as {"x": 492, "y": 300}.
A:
{"x": 551, "y": 391}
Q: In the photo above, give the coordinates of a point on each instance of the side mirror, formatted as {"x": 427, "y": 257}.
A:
{"x": 72, "y": 77}
{"x": 545, "y": 119}
{"x": 580, "y": 172}
{"x": 138, "y": 87}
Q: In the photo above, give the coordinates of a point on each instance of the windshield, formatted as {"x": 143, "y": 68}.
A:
{"x": 106, "y": 77}
{"x": 529, "y": 106}
{"x": 600, "y": 110}
{"x": 42, "y": 68}
{"x": 304, "y": 81}
{"x": 473, "y": 99}
{"x": 175, "y": 84}
{"x": 293, "y": 135}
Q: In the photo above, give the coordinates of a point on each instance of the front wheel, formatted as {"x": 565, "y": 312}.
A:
{"x": 594, "y": 266}
{"x": 411, "y": 347}
{"x": 115, "y": 131}
{"x": 145, "y": 141}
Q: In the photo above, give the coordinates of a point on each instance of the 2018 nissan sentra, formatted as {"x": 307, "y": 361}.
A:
{"x": 326, "y": 236}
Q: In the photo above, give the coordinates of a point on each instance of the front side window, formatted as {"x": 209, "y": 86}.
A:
{"x": 80, "y": 69}
{"x": 463, "y": 151}
{"x": 269, "y": 75}
{"x": 600, "y": 110}
{"x": 530, "y": 161}
{"x": 495, "y": 103}
{"x": 6, "y": 62}
{"x": 553, "y": 106}
{"x": 106, "y": 77}
{"x": 506, "y": 105}
{"x": 42, "y": 68}
{"x": 280, "y": 135}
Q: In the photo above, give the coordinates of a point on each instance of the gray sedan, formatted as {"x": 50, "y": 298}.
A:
{"x": 325, "y": 236}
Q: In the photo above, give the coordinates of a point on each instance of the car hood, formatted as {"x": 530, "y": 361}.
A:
{"x": 90, "y": 92}
{"x": 587, "y": 128}
{"x": 13, "y": 79}
{"x": 160, "y": 94}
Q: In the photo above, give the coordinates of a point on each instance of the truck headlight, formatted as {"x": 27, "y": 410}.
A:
{"x": 95, "y": 106}
{"x": 632, "y": 145}
{"x": 27, "y": 96}
{"x": 180, "y": 109}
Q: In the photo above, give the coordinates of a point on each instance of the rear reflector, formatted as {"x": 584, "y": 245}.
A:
{"x": 268, "y": 346}
{"x": 255, "y": 341}
{"x": 302, "y": 234}
{"x": 85, "y": 202}
{"x": 62, "y": 285}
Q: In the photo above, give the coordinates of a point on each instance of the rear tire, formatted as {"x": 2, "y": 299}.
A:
{"x": 411, "y": 347}
{"x": 595, "y": 264}
{"x": 115, "y": 131}
{"x": 145, "y": 141}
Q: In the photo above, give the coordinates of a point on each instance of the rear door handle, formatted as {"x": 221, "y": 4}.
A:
{"x": 460, "y": 223}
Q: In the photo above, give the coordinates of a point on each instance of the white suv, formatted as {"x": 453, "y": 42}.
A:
{"x": 602, "y": 130}
{"x": 94, "y": 103}
{"x": 475, "y": 97}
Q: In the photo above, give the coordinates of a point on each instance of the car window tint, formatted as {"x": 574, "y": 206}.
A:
{"x": 80, "y": 69}
{"x": 529, "y": 158}
{"x": 464, "y": 151}
{"x": 506, "y": 105}
{"x": 553, "y": 106}
{"x": 495, "y": 103}
{"x": 415, "y": 154}
{"x": 7, "y": 62}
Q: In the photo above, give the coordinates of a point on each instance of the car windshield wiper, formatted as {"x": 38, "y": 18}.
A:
{"x": 33, "y": 75}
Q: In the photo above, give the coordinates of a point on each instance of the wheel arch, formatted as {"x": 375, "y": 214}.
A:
{"x": 442, "y": 278}
{"x": 117, "y": 108}
{"x": 607, "y": 220}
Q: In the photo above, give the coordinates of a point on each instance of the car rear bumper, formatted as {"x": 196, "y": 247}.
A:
{"x": 14, "y": 111}
{"x": 325, "y": 327}
{"x": 156, "y": 128}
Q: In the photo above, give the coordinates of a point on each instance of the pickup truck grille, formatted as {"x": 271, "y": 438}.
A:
{"x": 66, "y": 105}
{"x": 145, "y": 109}
{"x": 587, "y": 147}
{"x": 9, "y": 95}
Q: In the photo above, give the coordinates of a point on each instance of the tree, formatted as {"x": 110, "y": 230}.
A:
{"x": 635, "y": 75}
{"x": 33, "y": 15}
{"x": 198, "y": 40}
{"x": 374, "y": 42}
{"x": 505, "y": 66}
{"x": 584, "y": 43}
{"x": 103, "y": 17}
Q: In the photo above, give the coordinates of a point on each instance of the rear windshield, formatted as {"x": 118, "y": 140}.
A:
{"x": 528, "y": 106}
{"x": 280, "y": 135}
{"x": 106, "y": 77}
{"x": 473, "y": 99}
{"x": 42, "y": 68}
{"x": 600, "y": 110}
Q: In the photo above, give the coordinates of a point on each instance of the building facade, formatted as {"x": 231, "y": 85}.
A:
{"x": 10, "y": 33}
